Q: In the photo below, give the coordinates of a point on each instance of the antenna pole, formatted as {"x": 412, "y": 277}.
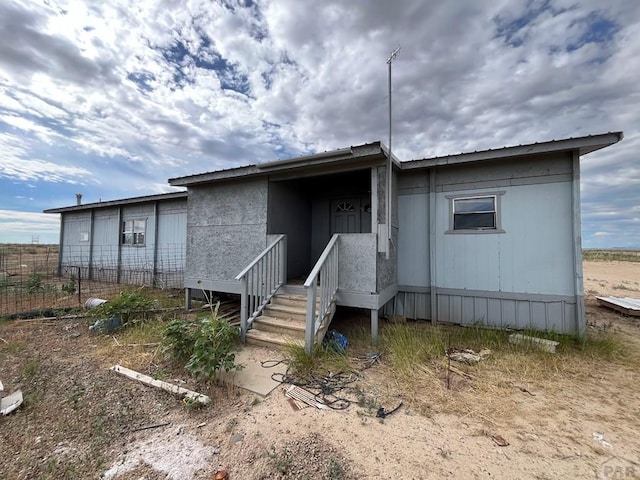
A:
{"x": 390, "y": 60}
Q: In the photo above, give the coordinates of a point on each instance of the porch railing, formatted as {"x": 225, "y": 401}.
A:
{"x": 261, "y": 279}
{"x": 324, "y": 277}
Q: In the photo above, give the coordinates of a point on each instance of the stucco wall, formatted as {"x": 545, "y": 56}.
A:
{"x": 357, "y": 262}
{"x": 387, "y": 268}
{"x": 226, "y": 229}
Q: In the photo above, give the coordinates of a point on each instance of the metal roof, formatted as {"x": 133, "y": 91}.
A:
{"x": 629, "y": 306}
{"x": 124, "y": 201}
{"x": 343, "y": 158}
{"x": 583, "y": 145}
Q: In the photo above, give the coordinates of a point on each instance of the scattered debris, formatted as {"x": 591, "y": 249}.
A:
{"x": 382, "y": 413}
{"x": 94, "y": 302}
{"x": 1, "y": 386}
{"x": 599, "y": 437}
{"x": 4, "y": 340}
{"x": 221, "y": 475}
{"x": 626, "y": 305}
{"x": 154, "y": 344}
{"x": 466, "y": 375}
{"x": 176, "y": 456}
{"x": 523, "y": 389}
{"x": 540, "y": 343}
{"x": 186, "y": 393}
{"x": 368, "y": 360}
{"x": 10, "y": 403}
{"x": 499, "y": 440}
{"x": 304, "y": 396}
{"x": 147, "y": 427}
{"x": 116, "y": 340}
{"x": 467, "y": 356}
{"x": 200, "y": 425}
{"x": 336, "y": 341}
{"x": 106, "y": 325}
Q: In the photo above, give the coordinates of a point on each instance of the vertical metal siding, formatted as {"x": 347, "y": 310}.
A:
{"x": 533, "y": 256}
{"x": 551, "y": 315}
{"x": 75, "y": 253}
{"x": 413, "y": 240}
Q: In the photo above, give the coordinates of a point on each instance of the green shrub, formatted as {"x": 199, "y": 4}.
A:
{"x": 207, "y": 346}
{"x": 34, "y": 283}
{"x": 70, "y": 287}
{"x": 126, "y": 306}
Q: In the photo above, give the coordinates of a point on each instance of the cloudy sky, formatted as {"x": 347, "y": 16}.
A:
{"x": 112, "y": 98}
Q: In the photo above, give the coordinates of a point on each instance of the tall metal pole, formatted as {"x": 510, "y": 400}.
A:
{"x": 393, "y": 55}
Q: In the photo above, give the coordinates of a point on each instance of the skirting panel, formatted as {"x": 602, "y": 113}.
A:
{"x": 496, "y": 309}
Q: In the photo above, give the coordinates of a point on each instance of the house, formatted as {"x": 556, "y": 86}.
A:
{"x": 490, "y": 237}
{"x": 138, "y": 240}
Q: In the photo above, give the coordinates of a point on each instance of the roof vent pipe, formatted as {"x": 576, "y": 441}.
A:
{"x": 78, "y": 199}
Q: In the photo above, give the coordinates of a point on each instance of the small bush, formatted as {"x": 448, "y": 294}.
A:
{"x": 207, "y": 346}
{"x": 70, "y": 287}
{"x": 126, "y": 306}
{"x": 34, "y": 283}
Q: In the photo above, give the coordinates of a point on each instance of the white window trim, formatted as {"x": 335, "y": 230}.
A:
{"x": 123, "y": 232}
{"x": 477, "y": 231}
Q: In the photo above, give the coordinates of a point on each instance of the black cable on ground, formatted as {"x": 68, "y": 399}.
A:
{"x": 330, "y": 388}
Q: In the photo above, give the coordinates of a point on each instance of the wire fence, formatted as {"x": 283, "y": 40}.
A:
{"x": 32, "y": 277}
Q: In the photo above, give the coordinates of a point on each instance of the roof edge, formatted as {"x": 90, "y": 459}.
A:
{"x": 583, "y": 145}
{"x": 123, "y": 201}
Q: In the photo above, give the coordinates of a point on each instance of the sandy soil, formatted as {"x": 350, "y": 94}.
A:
{"x": 77, "y": 419}
{"x": 618, "y": 279}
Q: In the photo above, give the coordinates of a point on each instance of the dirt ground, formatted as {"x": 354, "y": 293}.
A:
{"x": 79, "y": 418}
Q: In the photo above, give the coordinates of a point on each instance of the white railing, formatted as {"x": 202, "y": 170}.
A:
{"x": 261, "y": 279}
{"x": 325, "y": 277}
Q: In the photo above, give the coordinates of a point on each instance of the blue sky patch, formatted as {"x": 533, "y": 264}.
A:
{"x": 142, "y": 80}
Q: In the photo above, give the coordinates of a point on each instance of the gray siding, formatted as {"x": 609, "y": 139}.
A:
{"x": 160, "y": 261}
{"x": 290, "y": 213}
{"x": 522, "y": 278}
{"x": 75, "y": 250}
{"x": 226, "y": 230}
{"x": 534, "y": 255}
{"x": 413, "y": 240}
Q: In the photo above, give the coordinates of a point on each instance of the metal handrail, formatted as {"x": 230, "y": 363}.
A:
{"x": 324, "y": 272}
{"x": 261, "y": 279}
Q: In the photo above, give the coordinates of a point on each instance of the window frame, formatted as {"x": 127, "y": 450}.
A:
{"x": 497, "y": 212}
{"x": 137, "y": 238}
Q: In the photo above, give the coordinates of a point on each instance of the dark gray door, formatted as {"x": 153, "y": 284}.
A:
{"x": 345, "y": 216}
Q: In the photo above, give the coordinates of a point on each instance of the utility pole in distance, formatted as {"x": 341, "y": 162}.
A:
{"x": 390, "y": 60}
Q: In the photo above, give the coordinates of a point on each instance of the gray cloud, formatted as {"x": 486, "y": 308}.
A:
{"x": 27, "y": 51}
{"x": 161, "y": 89}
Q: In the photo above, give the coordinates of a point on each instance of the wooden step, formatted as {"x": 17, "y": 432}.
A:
{"x": 299, "y": 301}
{"x": 293, "y": 328}
{"x": 271, "y": 340}
{"x": 285, "y": 311}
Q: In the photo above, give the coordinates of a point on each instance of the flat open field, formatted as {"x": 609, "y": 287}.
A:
{"x": 573, "y": 414}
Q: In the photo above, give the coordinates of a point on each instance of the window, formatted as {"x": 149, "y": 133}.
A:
{"x": 475, "y": 213}
{"x": 133, "y": 232}
{"x": 345, "y": 207}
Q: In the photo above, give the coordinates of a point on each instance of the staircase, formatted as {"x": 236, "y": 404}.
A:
{"x": 283, "y": 320}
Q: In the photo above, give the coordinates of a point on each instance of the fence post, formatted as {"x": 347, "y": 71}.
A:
{"x": 79, "y": 287}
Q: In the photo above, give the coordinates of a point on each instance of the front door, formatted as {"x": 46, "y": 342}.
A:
{"x": 345, "y": 216}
